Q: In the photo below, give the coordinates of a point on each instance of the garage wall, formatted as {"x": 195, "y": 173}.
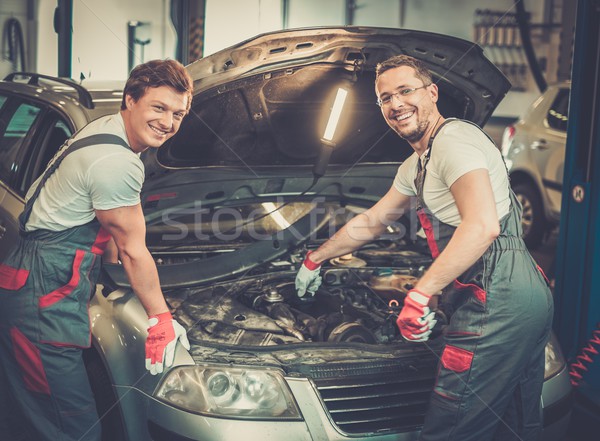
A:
{"x": 252, "y": 17}
{"x": 255, "y": 17}
{"x": 316, "y": 13}
{"x": 231, "y": 21}
{"x": 100, "y": 29}
{"x": 47, "y": 54}
{"x": 15, "y": 9}
{"x": 100, "y": 36}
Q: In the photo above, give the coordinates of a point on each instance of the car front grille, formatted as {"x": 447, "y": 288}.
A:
{"x": 379, "y": 402}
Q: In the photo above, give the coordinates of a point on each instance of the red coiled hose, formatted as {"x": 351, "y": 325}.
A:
{"x": 585, "y": 357}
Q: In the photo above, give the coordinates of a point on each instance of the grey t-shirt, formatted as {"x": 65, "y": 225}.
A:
{"x": 458, "y": 148}
{"x": 97, "y": 177}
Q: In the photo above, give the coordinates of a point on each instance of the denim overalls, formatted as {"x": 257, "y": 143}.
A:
{"x": 46, "y": 283}
{"x": 491, "y": 370}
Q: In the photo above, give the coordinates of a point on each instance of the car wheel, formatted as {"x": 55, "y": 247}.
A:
{"x": 105, "y": 396}
{"x": 533, "y": 220}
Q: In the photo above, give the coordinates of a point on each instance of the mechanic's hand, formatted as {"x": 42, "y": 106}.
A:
{"x": 416, "y": 320}
{"x": 163, "y": 333}
{"x": 308, "y": 278}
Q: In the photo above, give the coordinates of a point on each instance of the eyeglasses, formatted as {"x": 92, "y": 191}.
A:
{"x": 387, "y": 100}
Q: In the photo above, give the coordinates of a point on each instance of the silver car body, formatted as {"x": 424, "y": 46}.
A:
{"x": 119, "y": 324}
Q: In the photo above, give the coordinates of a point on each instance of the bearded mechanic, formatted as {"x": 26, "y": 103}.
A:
{"x": 88, "y": 196}
{"x": 491, "y": 370}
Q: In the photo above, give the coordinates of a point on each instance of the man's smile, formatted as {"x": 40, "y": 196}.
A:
{"x": 158, "y": 131}
{"x": 403, "y": 116}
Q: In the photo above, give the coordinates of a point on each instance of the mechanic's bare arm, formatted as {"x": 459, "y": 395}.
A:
{"x": 128, "y": 229}
{"x": 111, "y": 253}
{"x": 364, "y": 228}
{"x": 478, "y": 228}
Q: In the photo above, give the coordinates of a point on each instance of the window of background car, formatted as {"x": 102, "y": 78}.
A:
{"x": 17, "y": 126}
{"x": 558, "y": 114}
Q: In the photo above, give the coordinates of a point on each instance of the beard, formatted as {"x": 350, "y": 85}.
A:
{"x": 416, "y": 134}
{"x": 413, "y": 135}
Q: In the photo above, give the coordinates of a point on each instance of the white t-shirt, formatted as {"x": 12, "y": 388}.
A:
{"x": 458, "y": 148}
{"x": 97, "y": 177}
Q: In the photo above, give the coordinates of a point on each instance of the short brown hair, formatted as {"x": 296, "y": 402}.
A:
{"x": 421, "y": 71}
{"x": 156, "y": 73}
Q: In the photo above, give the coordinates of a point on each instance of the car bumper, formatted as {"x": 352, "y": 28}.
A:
{"x": 169, "y": 423}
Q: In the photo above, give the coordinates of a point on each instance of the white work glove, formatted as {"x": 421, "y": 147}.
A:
{"x": 416, "y": 320}
{"x": 308, "y": 278}
{"x": 163, "y": 333}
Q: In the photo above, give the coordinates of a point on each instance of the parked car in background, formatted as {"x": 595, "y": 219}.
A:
{"x": 534, "y": 149}
{"x": 232, "y": 206}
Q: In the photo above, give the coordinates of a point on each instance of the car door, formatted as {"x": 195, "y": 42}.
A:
{"x": 548, "y": 149}
{"x": 29, "y": 135}
{"x": 3, "y": 186}
{"x": 17, "y": 120}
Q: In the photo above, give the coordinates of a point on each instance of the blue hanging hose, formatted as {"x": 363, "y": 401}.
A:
{"x": 16, "y": 48}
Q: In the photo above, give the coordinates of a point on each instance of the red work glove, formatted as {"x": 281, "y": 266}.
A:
{"x": 416, "y": 320}
{"x": 308, "y": 278}
{"x": 163, "y": 333}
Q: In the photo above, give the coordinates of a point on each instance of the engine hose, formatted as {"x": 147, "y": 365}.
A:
{"x": 14, "y": 37}
{"x": 524, "y": 29}
{"x": 585, "y": 357}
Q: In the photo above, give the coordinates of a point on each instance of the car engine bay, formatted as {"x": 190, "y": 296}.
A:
{"x": 358, "y": 302}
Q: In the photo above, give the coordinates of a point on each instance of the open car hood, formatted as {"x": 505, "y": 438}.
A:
{"x": 265, "y": 101}
{"x": 257, "y": 117}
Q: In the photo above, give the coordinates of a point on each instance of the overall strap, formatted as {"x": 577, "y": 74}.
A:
{"x": 100, "y": 138}
{"x": 422, "y": 166}
{"x": 483, "y": 131}
{"x": 426, "y": 218}
{"x": 430, "y": 144}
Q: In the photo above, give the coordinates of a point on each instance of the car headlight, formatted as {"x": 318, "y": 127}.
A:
{"x": 224, "y": 391}
{"x": 554, "y": 358}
